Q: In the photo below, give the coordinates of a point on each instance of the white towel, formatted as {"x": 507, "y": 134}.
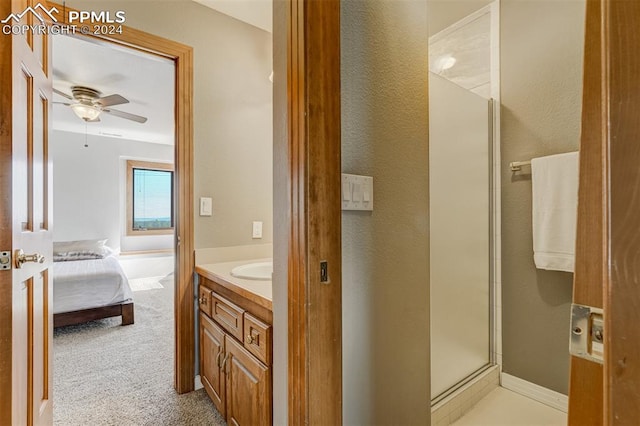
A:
{"x": 555, "y": 208}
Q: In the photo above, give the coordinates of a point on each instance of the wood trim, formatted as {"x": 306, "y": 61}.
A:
{"x": 6, "y": 168}
{"x": 247, "y": 303}
{"x": 182, "y": 56}
{"x": 585, "y": 383}
{"x": 314, "y": 308}
{"x": 149, "y": 165}
{"x": 209, "y": 277}
{"x": 620, "y": 94}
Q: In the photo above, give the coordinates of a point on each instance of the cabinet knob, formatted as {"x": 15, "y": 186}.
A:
{"x": 250, "y": 339}
{"x": 202, "y": 300}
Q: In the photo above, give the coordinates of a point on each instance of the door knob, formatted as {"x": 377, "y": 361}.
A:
{"x": 24, "y": 258}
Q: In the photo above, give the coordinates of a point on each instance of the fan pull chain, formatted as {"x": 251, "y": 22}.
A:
{"x": 86, "y": 144}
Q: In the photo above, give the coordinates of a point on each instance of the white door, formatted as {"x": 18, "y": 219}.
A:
{"x": 26, "y": 292}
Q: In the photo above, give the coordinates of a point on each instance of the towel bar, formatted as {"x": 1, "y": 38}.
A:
{"x": 517, "y": 165}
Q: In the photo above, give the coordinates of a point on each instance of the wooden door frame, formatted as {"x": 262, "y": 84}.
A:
{"x": 6, "y": 237}
{"x": 182, "y": 56}
{"x": 313, "y": 120}
{"x": 607, "y": 246}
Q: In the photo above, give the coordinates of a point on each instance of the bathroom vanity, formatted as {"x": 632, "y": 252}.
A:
{"x": 236, "y": 318}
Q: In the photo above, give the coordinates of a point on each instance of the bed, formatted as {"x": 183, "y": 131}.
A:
{"x": 89, "y": 284}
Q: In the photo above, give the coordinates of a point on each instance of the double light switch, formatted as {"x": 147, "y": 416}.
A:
{"x": 357, "y": 192}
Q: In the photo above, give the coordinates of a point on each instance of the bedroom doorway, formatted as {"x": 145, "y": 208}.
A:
{"x": 113, "y": 192}
{"x": 181, "y": 239}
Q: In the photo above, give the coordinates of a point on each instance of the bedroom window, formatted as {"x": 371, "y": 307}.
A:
{"x": 149, "y": 198}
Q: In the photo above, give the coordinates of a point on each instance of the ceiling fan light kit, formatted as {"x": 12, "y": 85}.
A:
{"x": 88, "y": 104}
{"x": 86, "y": 112}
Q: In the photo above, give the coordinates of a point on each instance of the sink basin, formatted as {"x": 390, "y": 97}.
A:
{"x": 254, "y": 271}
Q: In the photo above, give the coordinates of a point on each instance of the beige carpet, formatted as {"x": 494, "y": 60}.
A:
{"x": 106, "y": 374}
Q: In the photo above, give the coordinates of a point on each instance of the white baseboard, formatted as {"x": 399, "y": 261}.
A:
{"x": 197, "y": 383}
{"x": 537, "y": 393}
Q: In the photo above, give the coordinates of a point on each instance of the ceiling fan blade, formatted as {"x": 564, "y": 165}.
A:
{"x": 111, "y": 100}
{"x": 126, "y": 115}
{"x": 61, "y": 93}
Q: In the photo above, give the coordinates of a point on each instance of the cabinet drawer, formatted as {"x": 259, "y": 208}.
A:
{"x": 228, "y": 315}
{"x": 257, "y": 338}
{"x": 204, "y": 300}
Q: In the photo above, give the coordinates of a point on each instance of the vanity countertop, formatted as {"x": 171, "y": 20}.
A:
{"x": 255, "y": 290}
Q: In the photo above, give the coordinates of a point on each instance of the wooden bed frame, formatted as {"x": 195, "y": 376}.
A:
{"x": 78, "y": 317}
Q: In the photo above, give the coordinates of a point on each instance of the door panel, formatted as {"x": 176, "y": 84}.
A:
{"x": 41, "y": 338}
{"x": 26, "y": 188}
{"x": 20, "y": 362}
{"x": 37, "y": 161}
{"x": 248, "y": 388}
{"x": 622, "y": 237}
{"x": 212, "y": 349}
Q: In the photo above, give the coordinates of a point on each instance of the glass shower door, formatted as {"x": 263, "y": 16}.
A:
{"x": 460, "y": 194}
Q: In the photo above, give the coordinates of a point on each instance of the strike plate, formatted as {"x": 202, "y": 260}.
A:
{"x": 5, "y": 260}
{"x": 587, "y": 333}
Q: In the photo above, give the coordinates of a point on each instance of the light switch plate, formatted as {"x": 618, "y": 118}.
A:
{"x": 361, "y": 192}
{"x": 257, "y": 230}
{"x": 206, "y": 206}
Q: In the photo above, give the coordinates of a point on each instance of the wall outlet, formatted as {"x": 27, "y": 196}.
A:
{"x": 257, "y": 230}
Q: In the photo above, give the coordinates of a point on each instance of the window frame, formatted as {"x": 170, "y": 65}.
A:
{"x": 147, "y": 165}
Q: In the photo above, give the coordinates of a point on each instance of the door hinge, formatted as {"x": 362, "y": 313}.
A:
{"x": 5, "y": 260}
{"x": 587, "y": 333}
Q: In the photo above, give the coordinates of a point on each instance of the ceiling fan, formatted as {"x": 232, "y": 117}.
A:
{"x": 88, "y": 104}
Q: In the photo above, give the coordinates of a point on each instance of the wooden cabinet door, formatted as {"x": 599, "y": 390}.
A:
{"x": 212, "y": 351}
{"x": 26, "y": 293}
{"x": 248, "y": 388}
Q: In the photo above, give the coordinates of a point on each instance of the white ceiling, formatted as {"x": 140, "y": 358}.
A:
{"x": 443, "y": 13}
{"x": 147, "y": 81}
{"x": 470, "y": 45}
{"x": 255, "y": 12}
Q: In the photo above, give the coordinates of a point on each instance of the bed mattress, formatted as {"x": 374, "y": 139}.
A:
{"x": 85, "y": 284}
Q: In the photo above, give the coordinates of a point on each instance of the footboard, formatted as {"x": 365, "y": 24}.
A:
{"x": 78, "y": 317}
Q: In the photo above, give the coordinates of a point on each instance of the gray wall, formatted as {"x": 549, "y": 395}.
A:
{"x": 541, "y": 67}
{"x": 89, "y": 188}
{"x": 386, "y": 252}
{"x": 232, "y": 112}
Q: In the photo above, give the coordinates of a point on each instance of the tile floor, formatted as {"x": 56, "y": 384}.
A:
{"x": 503, "y": 407}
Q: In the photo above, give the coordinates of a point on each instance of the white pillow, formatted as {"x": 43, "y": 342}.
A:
{"x": 79, "y": 250}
